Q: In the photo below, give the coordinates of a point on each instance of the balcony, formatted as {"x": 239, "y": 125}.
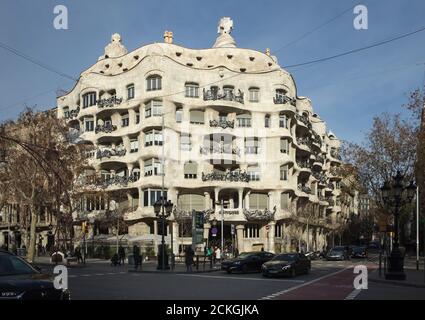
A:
{"x": 304, "y": 141}
{"x": 108, "y": 153}
{"x": 185, "y": 215}
{"x": 335, "y": 154}
{"x": 303, "y": 119}
{"x": 304, "y": 188}
{"x": 259, "y": 214}
{"x": 282, "y": 99}
{"x": 106, "y": 128}
{"x": 305, "y": 164}
{"x": 316, "y": 139}
{"x": 231, "y": 176}
{"x": 222, "y": 123}
{"x": 108, "y": 103}
{"x": 228, "y": 95}
{"x": 118, "y": 180}
{"x": 220, "y": 149}
{"x": 330, "y": 201}
{"x": 320, "y": 177}
{"x": 72, "y": 114}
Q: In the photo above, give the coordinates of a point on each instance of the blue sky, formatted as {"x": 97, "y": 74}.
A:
{"x": 346, "y": 92}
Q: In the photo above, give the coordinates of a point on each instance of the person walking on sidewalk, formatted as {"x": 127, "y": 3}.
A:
{"x": 136, "y": 256}
{"x": 121, "y": 255}
{"x": 189, "y": 258}
{"x": 218, "y": 254}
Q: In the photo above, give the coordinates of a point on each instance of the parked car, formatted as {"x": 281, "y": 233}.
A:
{"x": 19, "y": 280}
{"x": 313, "y": 255}
{"x": 338, "y": 253}
{"x": 247, "y": 262}
{"x": 287, "y": 264}
{"x": 359, "y": 252}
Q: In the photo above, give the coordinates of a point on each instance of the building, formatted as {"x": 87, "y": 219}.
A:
{"x": 236, "y": 138}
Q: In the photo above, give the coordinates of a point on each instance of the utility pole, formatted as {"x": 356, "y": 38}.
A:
{"x": 162, "y": 192}
{"x": 417, "y": 228}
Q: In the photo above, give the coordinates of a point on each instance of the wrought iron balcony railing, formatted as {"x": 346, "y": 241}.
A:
{"x": 222, "y": 123}
{"x": 107, "y": 153}
{"x": 303, "y": 164}
{"x": 321, "y": 177}
{"x": 303, "y": 119}
{"x": 304, "y": 188}
{"x": 231, "y": 176}
{"x": 220, "y": 149}
{"x": 335, "y": 154}
{"x": 259, "y": 214}
{"x": 119, "y": 180}
{"x": 109, "y": 102}
{"x": 282, "y": 99}
{"x": 107, "y": 128}
{"x": 72, "y": 114}
{"x": 228, "y": 95}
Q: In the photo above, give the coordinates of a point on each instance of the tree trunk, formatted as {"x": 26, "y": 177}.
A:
{"x": 33, "y": 235}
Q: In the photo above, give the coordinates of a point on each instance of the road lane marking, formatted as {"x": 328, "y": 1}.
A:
{"x": 240, "y": 278}
{"x": 304, "y": 284}
{"x": 353, "y": 294}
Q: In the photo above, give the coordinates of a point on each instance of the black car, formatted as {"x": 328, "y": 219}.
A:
{"x": 287, "y": 264}
{"x": 338, "y": 253}
{"x": 359, "y": 252}
{"x": 247, "y": 262}
{"x": 21, "y": 281}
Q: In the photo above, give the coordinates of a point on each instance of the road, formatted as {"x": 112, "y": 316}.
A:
{"x": 327, "y": 280}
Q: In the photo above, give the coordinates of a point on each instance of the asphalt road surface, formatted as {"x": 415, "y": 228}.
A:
{"x": 327, "y": 280}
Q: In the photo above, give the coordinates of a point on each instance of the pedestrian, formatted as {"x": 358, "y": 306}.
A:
{"x": 189, "y": 258}
{"x": 218, "y": 254}
{"x": 136, "y": 256}
{"x": 78, "y": 255}
{"x": 121, "y": 255}
{"x": 236, "y": 252}
{"x": 262, "y": 249}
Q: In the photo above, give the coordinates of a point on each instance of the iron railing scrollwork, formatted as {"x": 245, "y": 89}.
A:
{"x": 231, "y": 176}
{"x": 109, "y": 102}
{"x": 259, "y": 215}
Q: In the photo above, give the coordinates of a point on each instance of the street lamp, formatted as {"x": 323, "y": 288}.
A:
{"x": 395, "y": 196}
{"x": 162, "y": 209}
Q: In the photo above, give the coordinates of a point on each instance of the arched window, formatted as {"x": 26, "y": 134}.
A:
{"x": 153, "y": 82}
{"x": 190, "y": 170}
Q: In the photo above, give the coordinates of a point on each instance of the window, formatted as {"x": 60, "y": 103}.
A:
{"x": 244, "y": 120}
{"x": 134, "y": 145}
{"x": 89, "y": 99}
{"x": 252, "y": 145}
{"x": 137, "y": 117}
{"x": 179, "y": 115}
{"x": 197, "y": 117}
{"x": 190, "y": 170}
{"x": 152, "y": 167}
{"x": 280, "y": 93}
{"x": 150, "y": 196}
{"x": 89, "y": 124}
{"x": 105, "y": 175}
{"x": 136, "y": 174}
{"x": 253, "y": 173}
{"x": 252, "y": 231}
{"x": 283, "y": 121}
{"x": 66, "y": 112}
{"x": 267, "y": 121}
{"x": 125, "y": 121}
{"x": 153, "y": 108}
{"x": 130, "y": 92}
{"x": 153, "y": 83}
{"x": 337, "y": 185}
{"x": 284, "y": 172}
{"x": 284, "y": 201}
{"x": 228, "y": 92}
{"x": 254, "y": 95}
{"x": 284, "y": 146}
{"x": 278, "y": 230}
{"x": 258, "y": 201}
{"x": 189, "y": 202}
{"x": 185, "y": 142}
{"x": 192, "y": 90}
{"x": 153, "y": 137}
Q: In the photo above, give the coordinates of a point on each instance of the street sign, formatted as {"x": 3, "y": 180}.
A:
{"x": 214, "y": 231}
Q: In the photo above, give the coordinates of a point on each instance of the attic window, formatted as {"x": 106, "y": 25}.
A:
{"x": 106, "y": 56}
{"x": 178, "y": 54}
{"x": 270, "y": 64}
{"x": 136, "y": 57}
{"x": 120, "y": 64}
{"x": 125, "y": 69}
{"x": 251, "y": 58}
{"x": 106, "y": 66}
{"x": 189, "y": 64}
{"x": 229, "y": 56}
{"x": 102, "y": 72}
{"x": 199, "y": 58}
{"x": 210, "y": 66}
{"x": 242, "y": 69}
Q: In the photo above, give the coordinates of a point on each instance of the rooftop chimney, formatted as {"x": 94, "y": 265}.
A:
{"x": 168, "y": 37}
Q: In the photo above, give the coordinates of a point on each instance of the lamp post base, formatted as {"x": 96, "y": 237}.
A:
{"x": 396, "y": 263}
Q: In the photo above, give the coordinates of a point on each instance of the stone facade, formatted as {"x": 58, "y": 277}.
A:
{"x": 236, "y": 137}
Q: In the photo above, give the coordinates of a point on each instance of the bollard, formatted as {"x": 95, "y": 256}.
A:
{"x": 197, "y": 263}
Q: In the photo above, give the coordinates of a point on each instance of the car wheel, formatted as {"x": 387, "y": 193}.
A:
{"x": 293, "y": 273}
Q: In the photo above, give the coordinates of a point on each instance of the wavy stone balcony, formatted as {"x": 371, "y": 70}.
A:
{"x": 106, "y": 128}
{"x": 119, "y": 181}
{"x": 220, "y": 149}
{"x": 108, "y": 153}
{"x": 304, "y": 120}
{"x": 213, "y": 95}
{"x": 304, "y": 188}
{"x": 72, "y": 114}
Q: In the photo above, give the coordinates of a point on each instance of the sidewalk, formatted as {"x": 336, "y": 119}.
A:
{"x": 46, "y": 261}
{"x": 414, "y": 278}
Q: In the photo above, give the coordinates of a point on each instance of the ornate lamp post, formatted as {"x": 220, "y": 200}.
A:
{"x": 163, "y": 210}
{"x": 395, "y": 196}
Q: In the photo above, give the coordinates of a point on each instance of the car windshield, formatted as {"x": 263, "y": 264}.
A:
{"x": 358, "y": 249}
{"x": 12, "y": 265}
{"x": 338, "y": 249}
{"x": 245, "y": 255}
{"x": 285, "y": 257}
